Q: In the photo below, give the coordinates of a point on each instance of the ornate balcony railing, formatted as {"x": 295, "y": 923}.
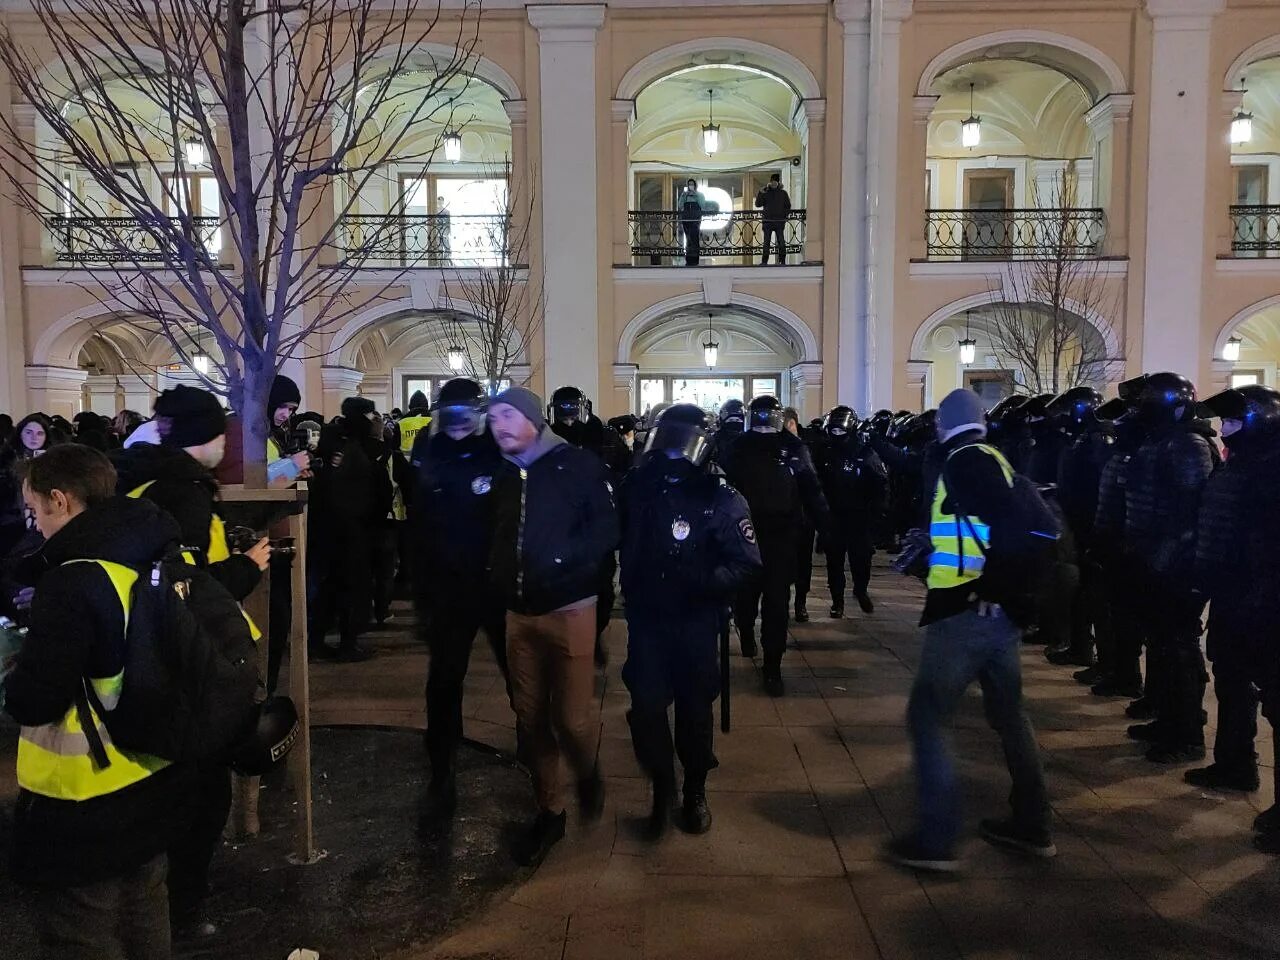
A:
{"x": 424, "y": 240}
{"x": 1255, "y": 230}
{"x": 120, "y": 240}
{"x": 1035, "y": 234}
{"x": 658, "y": 237}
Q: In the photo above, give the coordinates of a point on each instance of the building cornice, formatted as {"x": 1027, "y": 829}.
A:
{"x": 572, "y": 23}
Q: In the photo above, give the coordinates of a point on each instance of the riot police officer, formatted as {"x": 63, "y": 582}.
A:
{"x": 856, "y": 484}
{"x": 1237, "y": 570}
{"x": 773, "y": 470}
{"x": 1162, "y": 503}
{"x": 450, "y": 516}
{"x": 571, "y": 418}
{"x": 1008, "y": 432}
{"x": 688, "y": 545}
{"x": 730, "y": 423}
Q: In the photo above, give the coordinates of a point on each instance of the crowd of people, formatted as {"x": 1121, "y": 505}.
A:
{"x": 1099, "y": 529}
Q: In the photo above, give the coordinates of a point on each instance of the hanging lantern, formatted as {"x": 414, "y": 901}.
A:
{"x": 1231, "y": 350}
{"x": 200, "y": 363}
{"x": 971, "y": 129}
{"x": 1242, "y": 122}
{"x": 457, "y": 358}
{"x": 193, "y": 148}
{"x": 453, "y": 146}
{"x": 710, "y": 129}
{"x": 710, "y": 349}
{"x": 968, "y": 346}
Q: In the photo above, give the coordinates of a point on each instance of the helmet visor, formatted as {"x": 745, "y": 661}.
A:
{"x": 679, "y": 440}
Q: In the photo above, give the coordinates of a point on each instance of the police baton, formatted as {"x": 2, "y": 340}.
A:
{"x": 724, "y": 674}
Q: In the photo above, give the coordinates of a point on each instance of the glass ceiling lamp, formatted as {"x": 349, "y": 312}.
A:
{"x": 1242, "y": 123}
{"x": 457, "y": 358}
{"x": 968, "y": 346}
{"x": 971, "y": 129}
{"x": 710, "y": 349}
{"x": 193, "y": 149}
{"x": 200, "y": 363}
{"x": 1231, "y": 350}
{"x": 453, "y": 146}
{"x": 711, "y": 129}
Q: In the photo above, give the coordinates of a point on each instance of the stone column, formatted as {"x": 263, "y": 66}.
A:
{"x": 806, "y": 389}
{"x": 918, "y": 385}
{"x": 851, "y": 387}
{"x": 521, "y": 175}
{"x": 1109, "y": 122}
{"x": 567, "y": 108}
{"x": 139, "y": 392}
{"x": 621, "y": 112}
{"x": 105, "y": 394}
{"x": 815, "y": 116}
{"x": 1221, "y": 195}
{"x": 918, "y": 227}
{"x": 520, "y": 374}
{"x": 34, "y": 234}
{"x": 339, "y": 383}
{"x": 55, "y": 390}
{"x": 624, "y": 388}
{"x": 1176, "y": 183}
{"x": 378, "y": 388}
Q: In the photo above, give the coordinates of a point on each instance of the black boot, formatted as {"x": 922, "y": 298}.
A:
{"x": 864, "y": 602}
{"x": 696, "y": 813}
{"x": 802, "y": 611}
{"x": 591, "y": 798}
{"x": 537, "y": 839}
{"x": 748, "y": 640}
{"x": 1217, "y": 777}
{"x": 442, "y": 791}
{"x": 664, "y": 795}
{"x": 772, "y": 676}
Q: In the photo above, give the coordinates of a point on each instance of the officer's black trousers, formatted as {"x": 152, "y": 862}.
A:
{"x": 455, "y": 618}
{"x": 606, "y": 594}
{"x": 1090, "y": 618}
{"x": 851, "y": 545}
{"x": 1176, "y": 676}
{"x": 804, "y": 564}
{"x": 1237, "y": 707}
{"x": 1128, "y": 630}
{"x": 385, "y": 565}
{"x": 191, "y": 851}
{"x": 770, "y": 596}
{"x": 673, "y": 661}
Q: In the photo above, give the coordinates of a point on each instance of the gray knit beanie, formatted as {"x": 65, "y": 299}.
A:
{"x": 959, "y": 412}
{"x": 526, "y": 401}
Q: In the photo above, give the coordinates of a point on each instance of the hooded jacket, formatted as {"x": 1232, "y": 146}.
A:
{"x": 77, "y": 630}
{"x": 554, "y": 524}
{"x": 185, "y": 490}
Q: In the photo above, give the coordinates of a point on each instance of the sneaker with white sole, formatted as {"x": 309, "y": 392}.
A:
{"x": 909, "y": 852}
{"x": 1011, "y": 836}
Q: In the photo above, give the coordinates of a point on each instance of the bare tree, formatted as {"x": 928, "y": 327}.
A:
{"x": 507, "y": 300}
{"x": 1038, "y": 327}
{"x": 272, "y": 104}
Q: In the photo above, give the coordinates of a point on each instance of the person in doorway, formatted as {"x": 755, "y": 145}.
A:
{"x": 690, "y": 207}
{"x": 775, "y": 204}
{"x": 554, "y": 524}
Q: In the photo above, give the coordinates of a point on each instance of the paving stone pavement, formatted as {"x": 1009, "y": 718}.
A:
{"x": 811, "y": 785}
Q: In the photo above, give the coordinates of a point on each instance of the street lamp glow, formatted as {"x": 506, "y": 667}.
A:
{"x": 711, "y": 129}
{"x": 1231, "y": 350}
{"x": 710, "y": 349}
{"x": 200, "y": 363}
{"x": 193, "y": 148}
{"x": 1242, "y": 127}
{"x": 968, "y": 351}
{"x": 453, "y": 147}
{"x": 971, "y": 128}
{"x": 457, "y": 359}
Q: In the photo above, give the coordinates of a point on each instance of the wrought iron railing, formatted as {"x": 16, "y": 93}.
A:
{"x": 116, "y": 240}
{"x": 659, "y": 238}
{"x": 1255, "y": 230}
{"x": 1036, "y": 234}
{"x": 425, "y": 240}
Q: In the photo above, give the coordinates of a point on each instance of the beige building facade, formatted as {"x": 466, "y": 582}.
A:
{"x": 964, "y": 175}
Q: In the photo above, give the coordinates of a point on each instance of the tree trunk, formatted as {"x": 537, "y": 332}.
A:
{"x": 254, "y": 418}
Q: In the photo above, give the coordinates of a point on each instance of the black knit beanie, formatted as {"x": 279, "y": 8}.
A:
{"x": 354, "y": 408}
{"x": 189, "y": 417}
{"x": 283, "y": 390}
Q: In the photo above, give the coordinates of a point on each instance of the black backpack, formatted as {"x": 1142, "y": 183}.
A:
{"x": 191, "y": 683}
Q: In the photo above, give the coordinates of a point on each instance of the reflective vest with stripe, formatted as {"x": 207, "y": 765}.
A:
{"x": 959, "y": 542}
{"x": 410, "y": 427}
{"x": 54, "y": 760}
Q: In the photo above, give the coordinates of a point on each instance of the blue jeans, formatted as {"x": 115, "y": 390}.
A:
{"x": 957, "y": 651}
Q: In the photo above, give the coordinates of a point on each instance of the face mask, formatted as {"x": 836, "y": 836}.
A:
{"x": 1230, "y": 427}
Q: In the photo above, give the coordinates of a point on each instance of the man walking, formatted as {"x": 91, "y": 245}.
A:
{"x": 976, "y": 567}
{"x": 554, "y": 523}
{"x": 776, "y": 205}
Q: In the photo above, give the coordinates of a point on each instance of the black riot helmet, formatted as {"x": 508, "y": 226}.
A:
{"x": 879, "y": 422}
{"x": 766, "y": 413}
{"x": 840, "y": 421}
{"x": 1079, "y": 405}
{"x": 1167, "y": 398}
{"x": 1255, "y": 407}
{"x": 1131, "y": 390}
{"x": 569, "y": 405}
{"x": 730, "y": 411}
{"x": 272, "y": 738}
{"x": 680, "y": 433}
{"x": 1035, "y": 408}
{"x": 1004, "y": 413}
{"x": 1113, "y": 409}
{"x": 461, "y": 403}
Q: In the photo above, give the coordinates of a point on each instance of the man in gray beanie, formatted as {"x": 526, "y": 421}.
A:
{"x": 554, "y": 523}
{"x": 975, "y": 522}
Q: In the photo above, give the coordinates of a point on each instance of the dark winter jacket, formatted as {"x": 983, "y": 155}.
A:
{"x": 452, "y": 510}
{"x": 854, "y": 481}
{"x": 776, "y": 203}
{"x": 77, "y": 631}
{"x": 185, "y": 490}
{"x": 1079, "y": 478}
{"x": 687, "y": 540}
{"x": 775, "y": 474}
{"x": 554, "y": 525}
{"x": 1046, "y": 454}
{"x": 1162, "y": 500}
{"x": 604, "y": 441}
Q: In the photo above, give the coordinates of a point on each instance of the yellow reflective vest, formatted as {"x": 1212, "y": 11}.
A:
{"x": 959, "y": 543}
{"x": 410, "y": 427}
{"x": 54, "y": 760}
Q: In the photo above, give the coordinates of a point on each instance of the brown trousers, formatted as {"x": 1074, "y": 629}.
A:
{"x": 553, "y": 678}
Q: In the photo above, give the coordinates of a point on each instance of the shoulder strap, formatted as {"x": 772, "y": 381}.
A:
{"x": 97, "y": 749}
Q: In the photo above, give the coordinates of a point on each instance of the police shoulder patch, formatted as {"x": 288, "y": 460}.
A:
{"x": 747, "y": 529}
{"x": 481, "y": 485}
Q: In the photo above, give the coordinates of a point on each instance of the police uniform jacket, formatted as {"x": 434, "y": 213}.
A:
{"x": 452, "y": 507}
{"x": 855, "y": 483}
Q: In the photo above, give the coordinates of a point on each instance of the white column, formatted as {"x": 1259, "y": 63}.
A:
{"x": 1176, "y": 183}
{"x": 567, "y": 111}
{"x": 624, "y": 388}
{"x": 377, "y": 387}
{"x": 104, "y": 393}
{"x": 139, "y": 392}
{"x": 851, "y": 386}
{"x": 339, "y": 383}
{"x": 55, "y": 390}
{"x": 806, "y": 389}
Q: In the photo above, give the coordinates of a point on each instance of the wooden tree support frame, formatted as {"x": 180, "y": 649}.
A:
{"x": 258, "y": 605}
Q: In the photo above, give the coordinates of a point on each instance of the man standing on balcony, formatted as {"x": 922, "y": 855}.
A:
{"x": 691, "y": 206}
{"x": 776, "y": 205}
